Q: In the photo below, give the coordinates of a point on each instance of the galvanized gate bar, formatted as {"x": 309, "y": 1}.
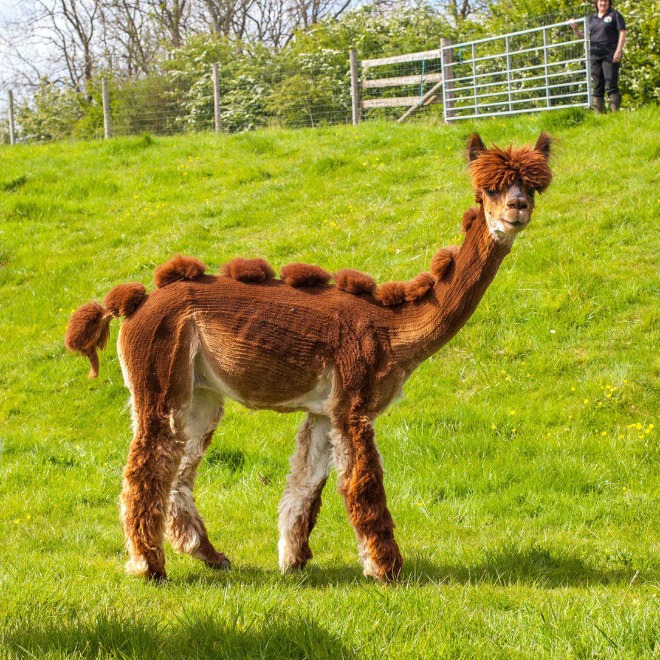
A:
{"x": 528, "y": 68}
{"x": 519, "y": 80}
{"x": 576, "y": 21}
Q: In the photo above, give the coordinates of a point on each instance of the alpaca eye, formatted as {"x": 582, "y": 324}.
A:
{"x": 491, "y": 192}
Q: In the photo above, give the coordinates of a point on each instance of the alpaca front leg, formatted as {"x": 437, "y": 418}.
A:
{"x": 299, "y": 508}
{"x": 361, "y": 483}
{"x": 153, "y": 460}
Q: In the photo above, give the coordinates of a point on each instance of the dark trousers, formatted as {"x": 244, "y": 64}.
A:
{"x": 604, "y": 73}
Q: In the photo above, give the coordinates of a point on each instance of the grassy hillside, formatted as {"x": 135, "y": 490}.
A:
{"x": 523, "y": 468}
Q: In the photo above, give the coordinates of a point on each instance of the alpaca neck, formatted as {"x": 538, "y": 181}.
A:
{"x": 427, "y": 325}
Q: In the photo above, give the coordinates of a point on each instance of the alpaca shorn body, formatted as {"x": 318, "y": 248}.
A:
{"x": 341, "y": 352}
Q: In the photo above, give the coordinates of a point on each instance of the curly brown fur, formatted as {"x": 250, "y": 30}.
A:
{"x": 88, "y": 330}
{"x": 178, "y": 269}
{"x": 419, "y": 286}
{"x": 469, "y": 217}
{"x": 443, "y": 262}
{"x": 355, "y": 282}
{"x": 299, "y": 275}
{"x": 391, "y": 293}
{"x": 365, "y": 499}
{"x": 124, "y": 299}
{"x": 248, "y": 270}
{"x": 496, "y": 169}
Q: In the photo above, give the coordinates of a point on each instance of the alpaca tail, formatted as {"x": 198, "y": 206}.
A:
{"x": 89, "y": 326}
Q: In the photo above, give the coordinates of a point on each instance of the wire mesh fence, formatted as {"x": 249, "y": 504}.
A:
{"x": 176, "y": 102}
{"x": 308, "y": 90}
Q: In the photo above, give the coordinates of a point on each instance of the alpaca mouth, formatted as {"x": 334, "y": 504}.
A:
{"x": 516, "y": 225}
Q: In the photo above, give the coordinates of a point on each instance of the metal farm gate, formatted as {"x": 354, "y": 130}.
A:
{"x": 528, "y": 71}
{"x": 543, "y": 68}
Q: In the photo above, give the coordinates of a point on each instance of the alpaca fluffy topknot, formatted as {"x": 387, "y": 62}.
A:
{"x": 496, "y": 169}
{"x": 300, "y": 275}
{"x": 355, "y": 282}
{"x": 443, "y": 261}
{"x": 469, "y": 217}
{"x": 248, "y": 270}
{"x": 419, "y": 286}
{"x": 391, "y": 293}
{"x": 124, "y": 299}
{"x": 177, "y": 269}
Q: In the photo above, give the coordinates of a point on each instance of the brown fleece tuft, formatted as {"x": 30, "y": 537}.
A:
{"x": 353, "y": 281}
{"x": 248, "y": 270}
{"x": 88, "y": 330}
{"x": 177, "y": 269}
{"x": 299, "y": 275}
{"x": 391, "y": 293}
{"x": 124, "y": 299}
{"x": 496, "y": 169}
{"x": 419, "y": 286}
{"x": 443, "y": 262}
{"x": 469, "y": 217}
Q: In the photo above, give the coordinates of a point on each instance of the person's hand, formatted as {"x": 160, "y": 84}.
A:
{"x": 573, "y": 24}
{"x": 617, "y": 56}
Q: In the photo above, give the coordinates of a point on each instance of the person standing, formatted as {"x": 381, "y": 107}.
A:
{"x": 607, "y": 35}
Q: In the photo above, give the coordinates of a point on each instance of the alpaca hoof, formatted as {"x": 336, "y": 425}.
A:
{"x": 157, "y": 577}
{"x": 292, "y": 559}
{"x": 220, "y": 564}
{"x": 388, "y": 574}
{"x": 293, "y": 567}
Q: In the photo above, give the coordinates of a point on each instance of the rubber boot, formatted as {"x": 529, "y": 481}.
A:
{"x": 615, "y": 102}
{"x": 599, "y": 105}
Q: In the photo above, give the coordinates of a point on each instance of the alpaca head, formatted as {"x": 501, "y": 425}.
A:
{"x": 505, "y": 181}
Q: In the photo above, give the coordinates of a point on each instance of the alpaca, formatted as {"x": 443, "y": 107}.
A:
{"x": 339, "y": 352}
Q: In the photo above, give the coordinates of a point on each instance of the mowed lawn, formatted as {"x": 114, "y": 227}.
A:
{"x": 522, "y": 469}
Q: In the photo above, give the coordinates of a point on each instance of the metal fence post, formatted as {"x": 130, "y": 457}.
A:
{"x": 447, "y": 77}
{"x": 545, "y": 68}
{"x": 105, "y": 93}
{"x": 587, "y": 59}
{"x": 508, "y": 71}
{"x": 216, "y": 98}
{"x": 355, "y": 87}
{"x": 474, "y": 78}
{"x": 12, "y": 126}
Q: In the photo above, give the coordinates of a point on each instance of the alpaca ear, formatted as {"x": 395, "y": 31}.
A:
{"x": 475, "y": 146}
{"x": 543, "y": 144}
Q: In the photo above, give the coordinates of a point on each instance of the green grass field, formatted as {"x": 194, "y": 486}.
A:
{"x": 522, "y": 470}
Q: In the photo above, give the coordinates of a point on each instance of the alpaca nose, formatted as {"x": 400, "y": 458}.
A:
{"x": 517, "y": 202}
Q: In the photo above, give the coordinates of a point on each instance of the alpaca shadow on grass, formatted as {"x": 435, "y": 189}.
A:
{"x": 252, "y": 576}
{"x": 530, "y": 566}
{"x": 192, "y": 635}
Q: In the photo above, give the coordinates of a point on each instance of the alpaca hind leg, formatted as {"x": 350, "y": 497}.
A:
{"x": 300, "y": 504}
{"x": 185, "y": 528}
{"x": 361, "y": 483}
{"x": 153, "y": 460}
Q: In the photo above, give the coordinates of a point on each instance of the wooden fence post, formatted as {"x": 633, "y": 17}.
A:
{"x": 447, "y": 76}
{"x": 12, "y": 126}
{"x": 355, "y": 87}
{"x": 216, "y": 98}
{"x": 105, "y": 93}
